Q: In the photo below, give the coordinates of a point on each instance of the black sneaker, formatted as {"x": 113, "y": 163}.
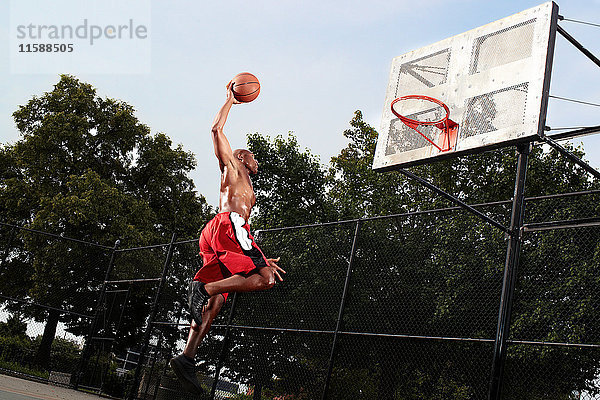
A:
{"x": 197, "y": 299}
{"x": 185, "y": 370}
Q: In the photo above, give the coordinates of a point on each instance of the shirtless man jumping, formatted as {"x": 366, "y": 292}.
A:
{"x": 232, "y": 262}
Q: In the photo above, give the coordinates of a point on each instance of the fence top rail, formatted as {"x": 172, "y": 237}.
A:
{"x": 33, "y": 303}
{"x": 54, "y": 235}
{"x": 149, "y": 247}
{"x": 389, "y": 335}
{"x": 564, "y": 224}
{"x": 322, "y": 224}
{"x": 560, "y": 195}
{"x": 329, "y": 332}
{"x": 156, "y": 246}
{"x": 130, "y": 281}
{"x": 408, "y": 214}
{"x": 558, "y": 344}
{"x": 431, "y": 211}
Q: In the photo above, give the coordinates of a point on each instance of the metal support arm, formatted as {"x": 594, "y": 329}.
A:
{"x": 579, "y": 46}
{"x": 455, "y": 200}
{"x": 572, "y": 157}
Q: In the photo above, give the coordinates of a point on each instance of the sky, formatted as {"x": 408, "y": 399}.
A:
{"x": 317, "y": 61}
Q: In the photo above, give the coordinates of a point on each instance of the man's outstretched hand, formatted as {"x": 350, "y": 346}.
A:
{"x": 230, "y": 93}
{"x": 271, "y": 262}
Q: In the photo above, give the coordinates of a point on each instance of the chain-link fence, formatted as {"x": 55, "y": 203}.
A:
{"x": 48, "y": 290}
{"x": 396, "y": 307}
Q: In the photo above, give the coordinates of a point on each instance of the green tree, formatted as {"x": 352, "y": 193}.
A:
{"x": 358, "y": 191}
{"x": 291, "y": 185}
{"x": 427, "y": 274}
{"x": 86, "y": 168}
{"x": 291, "y": 189}
{"x": 14, "y": 326}
{"x": 440, "y": 274}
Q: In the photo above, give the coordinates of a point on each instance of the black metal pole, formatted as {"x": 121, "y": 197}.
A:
{"x": 164, "y": 371}
{"x": 154, "y": 311}
{"x": 224, "y": 348}
{"x": 341, "y": 311}
{"x": 86, "y": 352}
{"x": 158, "y": 350}
{"x": 579, "y": 46}
{"x": 454, "y": 200}
{"x": 510, "y": 274}
{"x": 572, "y": 157}
{"x": 591, "y": 130}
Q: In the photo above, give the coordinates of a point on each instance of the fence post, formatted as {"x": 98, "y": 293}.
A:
{"x": 138, "y": 369}
{"x": 510, "y": 274}
{"x": 224, "y": 348}
{"x": 156, "y": 353}
{"x": 341, "y": 311}
{"x": 164, "y": 371}
{"x": 86, "y": 352}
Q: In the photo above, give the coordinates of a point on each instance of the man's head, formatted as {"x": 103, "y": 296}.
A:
{"x": 246, "y": 158}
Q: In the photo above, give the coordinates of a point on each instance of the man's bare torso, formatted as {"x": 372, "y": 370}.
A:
{"x": 237, "y": 193}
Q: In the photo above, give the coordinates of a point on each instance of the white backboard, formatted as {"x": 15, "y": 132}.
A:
{"x": 494, "y": 79}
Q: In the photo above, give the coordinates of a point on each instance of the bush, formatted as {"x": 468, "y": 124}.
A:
{"x": 14, "y": 326}
{"x": 65, "y": 355}
{"x": 115, "y": 385}
{"x": 16, "y": 354}
{"x": 17, "y": 367}
{"x": 16, "y": 349}
{"x": 20, "y": 350}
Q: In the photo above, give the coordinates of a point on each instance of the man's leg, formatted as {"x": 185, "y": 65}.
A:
{"x": 198, "y": 332}
{"x": 183, "y": 364}
{"x": 263, "y": 279}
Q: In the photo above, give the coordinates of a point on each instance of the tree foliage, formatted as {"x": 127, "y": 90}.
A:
{"x": 288, "y": 179}
{"x": 85, "y": 167}
{"x": 13, "y": 327}
{"x": 423, "y": 274}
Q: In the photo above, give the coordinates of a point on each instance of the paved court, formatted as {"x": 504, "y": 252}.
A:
{"x": 12, "y": 388}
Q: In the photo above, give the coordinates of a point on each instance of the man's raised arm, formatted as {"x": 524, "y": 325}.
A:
{"x": 220, "y": 142}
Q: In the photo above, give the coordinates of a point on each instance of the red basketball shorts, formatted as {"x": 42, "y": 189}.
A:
{"x": 228, "y": 248}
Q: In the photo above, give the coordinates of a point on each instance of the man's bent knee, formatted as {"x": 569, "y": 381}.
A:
{"x": 268, "y": 285}
{"x": 266, "y": 282}
{"x": 271, "y": 282}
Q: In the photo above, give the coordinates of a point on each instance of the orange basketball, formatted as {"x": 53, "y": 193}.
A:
{"x": 245, "y": 87}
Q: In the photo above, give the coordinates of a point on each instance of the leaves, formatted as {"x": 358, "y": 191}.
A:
{"x": 87, "y": 168}
{"x": 288, "y": 179}
{"x": 433, "y": 274}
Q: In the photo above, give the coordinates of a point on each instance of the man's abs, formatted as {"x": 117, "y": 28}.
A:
{"x": 237, "y": 195}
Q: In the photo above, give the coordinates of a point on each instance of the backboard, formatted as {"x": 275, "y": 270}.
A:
{"x": 494, "y": 79}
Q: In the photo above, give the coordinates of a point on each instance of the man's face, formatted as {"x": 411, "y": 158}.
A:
{"x": 250, "y": 162}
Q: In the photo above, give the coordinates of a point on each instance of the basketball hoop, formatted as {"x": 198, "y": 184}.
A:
{"x": 447, "y": 139}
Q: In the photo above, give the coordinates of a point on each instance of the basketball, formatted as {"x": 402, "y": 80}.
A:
{"x": 245, "y": 87}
